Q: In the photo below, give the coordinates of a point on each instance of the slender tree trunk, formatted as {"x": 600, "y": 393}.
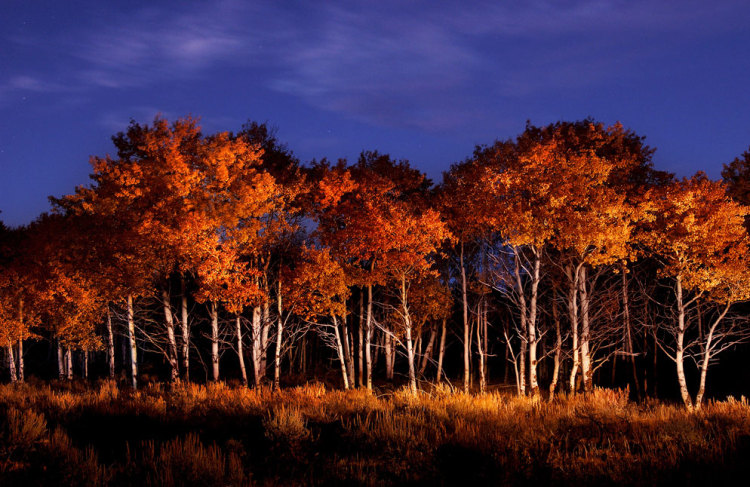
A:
{"x": 185, "y": 329}
{"x": 480, "y": 349}
{"x": 524, "y": 330}
{"x": 533, "y": 381}
{"x": 240, "y": 349}
{"x": 340, "y": 353}
{"x": 348, "y": 350}
{"x": 69, "y": 363}
{"x": 11, "y": 362}
{"x": 214, "y": 309}
{"x": 85, "y": 363}
{"x": 279, "y": 339}
{"x": 360, "y": 341}
{"x": 110, "y": 345}
{"x": 172, "y": 350}
{"x": 628, "y": 332}
{"x": 467, "y": 336}
{"x": 680, "y": 349}
{"x": 265, "y": 331}
{"x": 441, "y": 353}
{"x": 60, "y": 361}
{"x": 409, "y": 343}
{"x": 368, "y": 337}
{"x": 573, "y": 276}
{"x": 427, "y": 355}
{"x": 586, "y": 366}
{"x": 388, "y": 356}
{"x": 707, "y": 352}
{"x": 131, "y": 339}
{"x": 256, "y": 350}
{"x": 21, "y": 373}
{"x": 558, "y": 347}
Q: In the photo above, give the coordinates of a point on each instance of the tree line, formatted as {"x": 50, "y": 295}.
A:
{"x": 548, "y": 261}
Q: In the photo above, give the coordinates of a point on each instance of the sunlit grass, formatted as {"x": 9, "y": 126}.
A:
{"x": 219, "y": 435}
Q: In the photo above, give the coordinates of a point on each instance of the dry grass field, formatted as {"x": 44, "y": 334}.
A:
{"x": 74, "y": 434}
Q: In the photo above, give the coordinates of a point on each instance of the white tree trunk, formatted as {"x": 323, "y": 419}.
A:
{"x": 185, "y": 330}
{"x": 340, "y": 353}
{"x": 524, "y": 329}
{"x": 20, "y": 361}
{"x": 279, "y": 339}
{"x": 69, "y": 363}
{"x": 558, "y": 348}
{"x": 131, "y": 339}
{"x": 441, "y": 353}
{"x": 680, "y": 348}
{"x": 60, "y": 361}
{"x": 11, "y": 362}
{"x": 707, "y": 353}
{"x": 427, "y": 355}
{"x": 240, "y": 350}
{"x": 586, "y": 365}
{"x": 573, "y": 276}
{"x": 532, "y": 334}
{"x": 368, "y": 338}
{"x": 256, "y": 350}
{"x": 465, "y": 310}
{"x": 409, "y": 343}
{"x": 214, "y": 309}
{"x": 172, "y": 345}
{"x": 110, "y": 345}
{"x": 360, "y": 340}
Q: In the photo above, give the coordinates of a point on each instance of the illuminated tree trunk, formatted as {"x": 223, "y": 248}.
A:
{"x": 110, "y": 345}
{"x": 388, "y": 356}
{"x": 20, "y": 371}
{"x": 185, "y": 330}
{"x": 573, "y": 276}
{"x": 368, "y": 338}
{"x": 256, "y": 350}
{"x": 240, "y": 350}
{"x": 586, "y": 365}
{"x": 131, "y": 339}
{"x": 172, "y": 342}
{"x": 558, "y": 348}
{"x": 11, "y": 362}
{"x": 441, "y": 353}
{"x": 60, "y": 361}
{"x": 20, "y": 361}
{"x": 707, "y": 352}
{"x": 360, "y": 344}
{"x": 340, "y": 353}
{"x": 69, "y": 363}
{"x": 628, "y": 333}
{"x": 427, "y": 355}
{"x": 480, "y": 349}
{"x": 85, "y": 357}
{"x": 532, "y": 335}
{"x": 348, "y": 350}
{"x": 524, "y": 330}
{"x": 214, "y": 310}
{"x": 467, "y": 336}
{"x": 409, "y": 342}
{"x": 279, "y": 338}
{"x": 265, "y": 330}
{"x": 680, "y": 348}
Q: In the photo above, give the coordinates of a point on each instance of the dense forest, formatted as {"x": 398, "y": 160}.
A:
{"x": 551, "y": 263}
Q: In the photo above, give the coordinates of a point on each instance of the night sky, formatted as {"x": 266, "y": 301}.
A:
{"x": 424, "y": 81}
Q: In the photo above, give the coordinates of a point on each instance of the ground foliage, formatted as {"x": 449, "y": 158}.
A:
{"x": 76, "y": 434}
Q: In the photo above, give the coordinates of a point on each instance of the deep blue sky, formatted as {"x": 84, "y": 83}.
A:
{"x": 425, "y": 81}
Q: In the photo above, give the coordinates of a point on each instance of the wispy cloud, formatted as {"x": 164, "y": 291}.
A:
{"x": 393, "y": 63}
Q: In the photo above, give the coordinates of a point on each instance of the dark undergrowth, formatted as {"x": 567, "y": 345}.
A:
{"x": 63, "y": 434}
